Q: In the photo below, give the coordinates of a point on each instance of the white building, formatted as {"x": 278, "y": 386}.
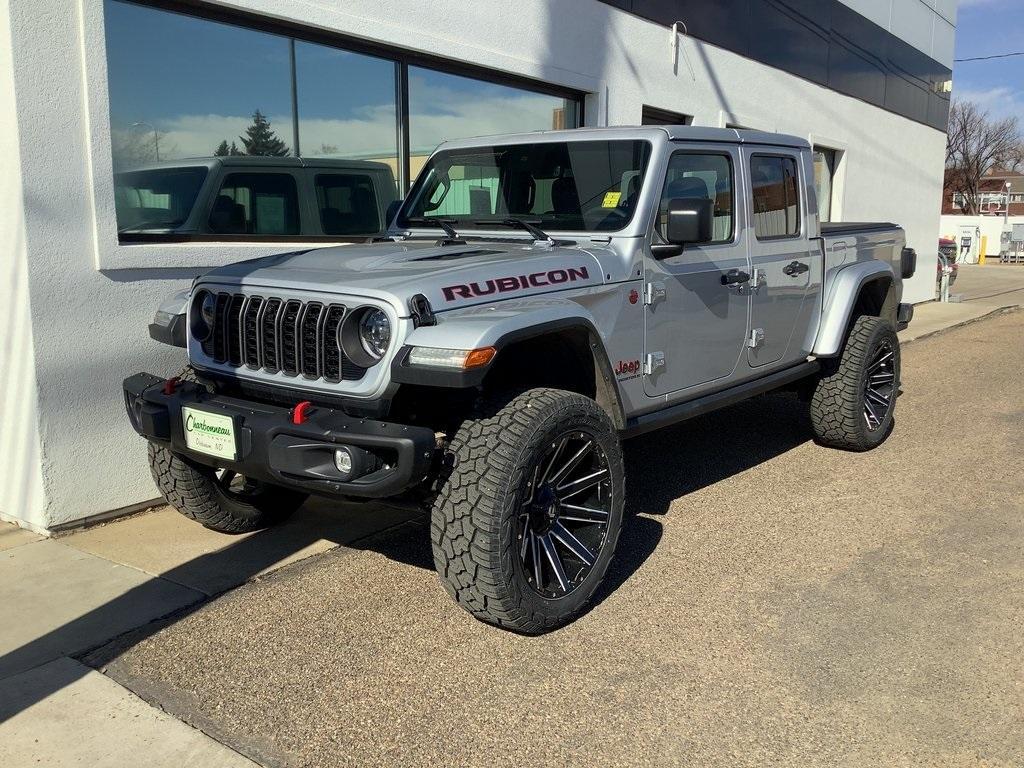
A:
{"x": 88, "y": 86}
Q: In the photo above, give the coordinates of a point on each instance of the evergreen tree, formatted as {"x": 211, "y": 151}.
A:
{"x": 260, "y": 138}
{"x": 235, "y": 150}
{"x": 222, "y": 149}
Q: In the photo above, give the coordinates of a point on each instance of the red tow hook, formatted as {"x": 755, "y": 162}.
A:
{"x": 171, "y": 384}
{"x": 299, "y": 412}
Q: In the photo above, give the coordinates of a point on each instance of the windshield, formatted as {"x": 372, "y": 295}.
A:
{"x": 156, "y": 199}
{"x": 589, "y": 186}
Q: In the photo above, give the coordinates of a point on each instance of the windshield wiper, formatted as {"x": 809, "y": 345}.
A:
{"x": 514, "y": 221}
{"x": 431, "y": 221}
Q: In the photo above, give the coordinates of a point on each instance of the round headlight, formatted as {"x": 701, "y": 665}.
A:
{"x": 375, "y": 332}
{"x": 204, "y": 315}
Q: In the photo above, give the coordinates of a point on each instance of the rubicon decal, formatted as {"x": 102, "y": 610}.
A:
{"x": 515, "y": 283}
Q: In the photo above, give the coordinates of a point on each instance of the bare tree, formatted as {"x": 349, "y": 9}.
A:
{"x": 977, "y": 144}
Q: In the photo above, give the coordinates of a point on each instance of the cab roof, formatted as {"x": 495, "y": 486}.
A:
{"x": 674, "y": 133}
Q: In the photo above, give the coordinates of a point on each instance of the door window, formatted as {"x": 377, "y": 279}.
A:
{"x": 773, "y": 181}
{"x": 256, "y": 204}
{"x": 347, "y": 204}
{"x": 701, "y": 175}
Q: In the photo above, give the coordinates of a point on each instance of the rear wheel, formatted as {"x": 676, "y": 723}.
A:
{"x": 853, "y": 403}
{"x": 529, "y": 513}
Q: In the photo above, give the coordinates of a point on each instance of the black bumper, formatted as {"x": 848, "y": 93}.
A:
{"x": 272, "y": 448}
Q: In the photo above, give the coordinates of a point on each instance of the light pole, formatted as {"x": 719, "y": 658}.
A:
{"x": 156, "y": 137}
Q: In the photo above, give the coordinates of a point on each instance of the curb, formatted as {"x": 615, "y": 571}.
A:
{"x": 1008, "y": 309}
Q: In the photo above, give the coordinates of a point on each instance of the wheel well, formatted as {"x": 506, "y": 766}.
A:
{"x": 571, "y": 359}
{"x": 877, "y": 299}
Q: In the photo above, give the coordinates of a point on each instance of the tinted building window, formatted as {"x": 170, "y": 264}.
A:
{"x": 773, "y": 182}
{"x": 444, "y": 106}
{"x": 346, "y": 104}
{"x": 824, "y": 173}
{"x": 655, "y": 116}
{"x": 256, "y": 204}
{"x": 185, "y": 86}
{"x": 180, "y": 86}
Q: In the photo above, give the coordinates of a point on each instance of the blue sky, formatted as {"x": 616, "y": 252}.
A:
{"x": 984, "y": 28}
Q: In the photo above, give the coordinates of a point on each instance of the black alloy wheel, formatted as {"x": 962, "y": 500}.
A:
{"x": 563, "y": 524}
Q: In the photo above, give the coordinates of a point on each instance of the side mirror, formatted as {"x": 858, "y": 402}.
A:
{"x": 690, "y": 220}
{"x": 391, "y": 212}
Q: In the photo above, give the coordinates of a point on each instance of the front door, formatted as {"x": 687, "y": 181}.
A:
{"x": 696, "y": 326}
{"x": 785, "y": 266}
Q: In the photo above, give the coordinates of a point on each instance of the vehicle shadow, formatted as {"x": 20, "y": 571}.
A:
{"x": 668, "y": 464}
{"x": 661, "y": 468}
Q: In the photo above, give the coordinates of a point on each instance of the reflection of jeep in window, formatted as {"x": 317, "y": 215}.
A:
{"x": 253, "y": 198}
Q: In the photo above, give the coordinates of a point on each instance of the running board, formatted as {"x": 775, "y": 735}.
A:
{"x": 638, "y": 425}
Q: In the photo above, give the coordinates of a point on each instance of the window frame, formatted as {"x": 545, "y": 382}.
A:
{"x": 654, "y": 233}
{"x": 800, "y": 217}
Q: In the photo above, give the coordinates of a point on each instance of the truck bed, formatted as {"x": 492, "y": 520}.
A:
{"x": 848, "y": 242}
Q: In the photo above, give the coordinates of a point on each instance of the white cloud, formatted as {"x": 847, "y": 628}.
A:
{"x": 438, "y": 114}
{"x": 999, "y": 101}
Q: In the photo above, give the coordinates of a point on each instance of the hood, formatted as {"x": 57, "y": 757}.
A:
{"x": 449, "y": 276}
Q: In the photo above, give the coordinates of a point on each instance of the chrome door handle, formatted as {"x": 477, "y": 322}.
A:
{"x": 795, "y": 268}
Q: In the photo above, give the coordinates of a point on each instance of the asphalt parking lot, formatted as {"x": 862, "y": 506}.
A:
{"x": 773, "y": 602}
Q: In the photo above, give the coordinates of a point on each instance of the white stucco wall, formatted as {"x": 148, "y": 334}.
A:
{"x": 21, "y": 480}
{"x": 91, "y": 298}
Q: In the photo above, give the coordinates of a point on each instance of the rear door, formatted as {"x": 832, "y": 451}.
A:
{"x": 784, "y": 265}
{"x": 694, "y": 325}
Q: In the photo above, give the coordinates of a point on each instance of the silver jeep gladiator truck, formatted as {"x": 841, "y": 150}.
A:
{"x": 537, "y": 299}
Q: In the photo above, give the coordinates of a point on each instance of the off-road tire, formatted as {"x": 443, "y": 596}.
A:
{"x": 193, "y": 490}
{"x": 837, "y": 403}
{"x": 482, "y": 490}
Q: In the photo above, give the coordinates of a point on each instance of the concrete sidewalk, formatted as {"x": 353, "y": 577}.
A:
{"x": 64, "y": 596}
{"x": 982, "y": 289}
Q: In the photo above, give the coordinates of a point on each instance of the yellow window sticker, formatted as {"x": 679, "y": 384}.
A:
{"x": 611, "y": 199}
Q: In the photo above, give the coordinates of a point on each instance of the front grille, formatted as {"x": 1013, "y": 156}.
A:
{"x": 280, "y": 335}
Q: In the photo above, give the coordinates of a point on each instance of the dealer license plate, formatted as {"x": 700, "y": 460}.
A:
{"x": 209, "y": 433}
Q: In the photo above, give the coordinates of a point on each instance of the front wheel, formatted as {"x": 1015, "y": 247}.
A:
{"x": 529, "y": 512}
{"x": 853, "y": 402}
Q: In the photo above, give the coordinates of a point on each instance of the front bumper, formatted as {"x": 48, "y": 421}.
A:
{"x": 270, "y": 447}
